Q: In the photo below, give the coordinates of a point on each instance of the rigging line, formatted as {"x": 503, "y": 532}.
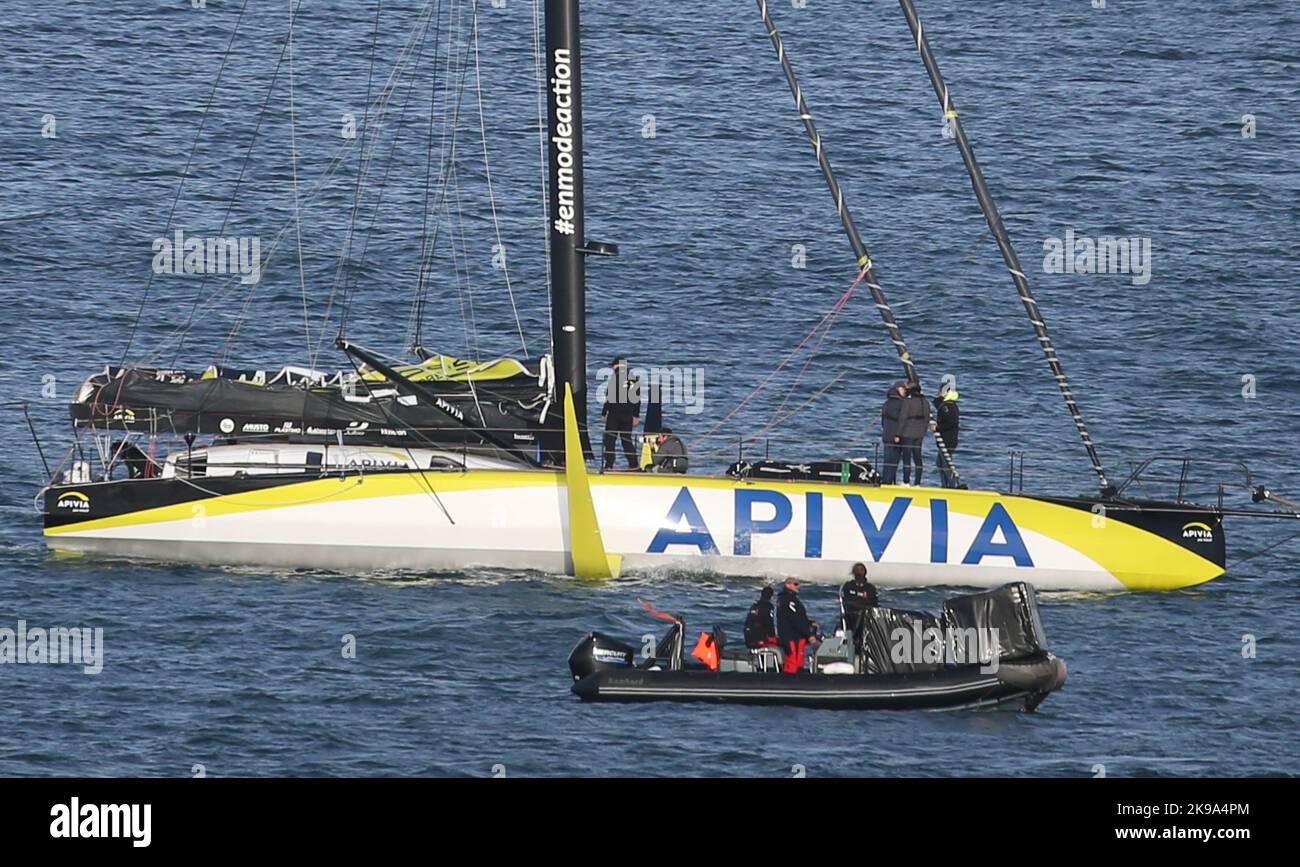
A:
{"x": 1237, "y": 563}
{"x": 230, "y": 204}
{"x": 446, "y": 154}
{"x": 996, "y": 226}
{"x": 539, "y": 77}
{"x": 293, "y": 163}
{"x": 846, "y": 218}
{"x": 414, "y": 331}
{"x": 809, "y": 336}
{"x": 464, "y": 270}
{"x": 487, "y": 175}
{"x": 252, "y": 289}
{"x": 356, "y": 199}
{"x": 794, "y": 412}
{"x": 180, "y": 186}
{"x": 396, "y": 422}
{"x": 392, "y": 149}
{"x": 390, "y": 86}
{"x": 446, "y": 168}
{"x": 381, "y": 106}
{"x": 460, "y": 265}
{"x": 830, "y": 323}
{"x": 180, "y": 332}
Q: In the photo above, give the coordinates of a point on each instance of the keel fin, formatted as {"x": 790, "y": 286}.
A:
{"x": 590, "y": 562}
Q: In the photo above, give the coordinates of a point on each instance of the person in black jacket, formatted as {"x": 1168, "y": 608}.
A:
{"x": 891, "y": 415}
{"x": 913, "y": 422}
{"x": 946, "y": 425}
{"x": 760, "y": 627}
{"x": 622, "y": 413}
{"x": 793, "y": 628}
{"x": 857, "y": 596}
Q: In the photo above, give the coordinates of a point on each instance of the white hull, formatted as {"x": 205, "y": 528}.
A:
{"x": 518, "y": 520}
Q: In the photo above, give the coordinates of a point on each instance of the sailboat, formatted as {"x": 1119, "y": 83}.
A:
{"x": 447, "y": 464}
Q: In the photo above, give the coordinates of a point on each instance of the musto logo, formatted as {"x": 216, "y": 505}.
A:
{"x": 73, "y": 501}
{"x": 1197, "y": 532}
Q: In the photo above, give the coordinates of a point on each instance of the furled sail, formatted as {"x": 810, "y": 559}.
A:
{"x": 302, "y": 404}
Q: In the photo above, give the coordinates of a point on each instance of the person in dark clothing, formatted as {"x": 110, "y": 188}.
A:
{"x": 622, "y": 413}
{"x": 793, "y": 628}
{"x": 857, "y": 596}
{"x": 670, "y": 454}
{"x": 945, "y": 426}
{"x": 891, "y": 415}
{"x": 760, "y": 626}
{"x": 858, "y": 593}
{"x": 913, "y": 422}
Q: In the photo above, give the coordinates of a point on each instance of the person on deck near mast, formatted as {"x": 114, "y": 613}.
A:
{"x": 622, "y": 413}
{"x": 945, "y": 426}
{"x": 891, "y": 415}
{"x": 793, "y": 628}
{"x": 914, "y": 421}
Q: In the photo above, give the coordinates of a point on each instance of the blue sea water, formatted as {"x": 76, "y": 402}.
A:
{"x": 1123, "y": 121}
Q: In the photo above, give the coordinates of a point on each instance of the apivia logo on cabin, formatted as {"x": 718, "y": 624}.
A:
{"x": 998, "y": 535}
{"x": 1196, "y": 531}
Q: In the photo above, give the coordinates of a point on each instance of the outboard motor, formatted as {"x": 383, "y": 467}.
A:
{"x": 599, "y": 652}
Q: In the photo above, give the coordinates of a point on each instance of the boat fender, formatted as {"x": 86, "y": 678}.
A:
{"x": 1042, "y": 675}
{"x": 837, "y": 668}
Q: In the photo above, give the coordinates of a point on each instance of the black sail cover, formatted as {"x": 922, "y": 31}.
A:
{"x": 1011, "y": 609}
{"x": 895, "y": 641}
{"x": 309, "y": 409}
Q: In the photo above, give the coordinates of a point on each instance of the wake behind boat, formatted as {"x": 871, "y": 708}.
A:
{"x": 987, "y": 650}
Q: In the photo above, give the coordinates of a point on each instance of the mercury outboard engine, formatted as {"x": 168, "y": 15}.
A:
{"x": 599, "y": 652}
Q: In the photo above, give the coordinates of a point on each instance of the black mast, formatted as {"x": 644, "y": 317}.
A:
{"x": 568, "y": 239}
{"x": 999, "y": 231}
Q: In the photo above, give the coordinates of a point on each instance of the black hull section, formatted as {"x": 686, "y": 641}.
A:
{"x": 1022, "y": 685}
{"x": 1199, "y": 529}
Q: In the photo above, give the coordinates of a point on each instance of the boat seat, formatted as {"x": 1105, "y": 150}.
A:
{"x": 768, "y": 658}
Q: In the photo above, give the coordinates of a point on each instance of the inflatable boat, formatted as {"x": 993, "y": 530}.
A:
{"x": 985, "y": 650}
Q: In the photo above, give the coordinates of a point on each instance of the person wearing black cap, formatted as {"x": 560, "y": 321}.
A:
{"x": 793, "y": 628}
{"x": 622, "y": 413}
{"x": 857, "y": 596}
{"x": 760, "y": 627}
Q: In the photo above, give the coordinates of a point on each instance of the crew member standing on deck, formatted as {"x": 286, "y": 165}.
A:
{"x": 793, "y": 628}
{"x": 913, "y": 422}
{"x": 622, "y": 413}
{"x": 891, "y": 415}
{"x": 945, "y": 426}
